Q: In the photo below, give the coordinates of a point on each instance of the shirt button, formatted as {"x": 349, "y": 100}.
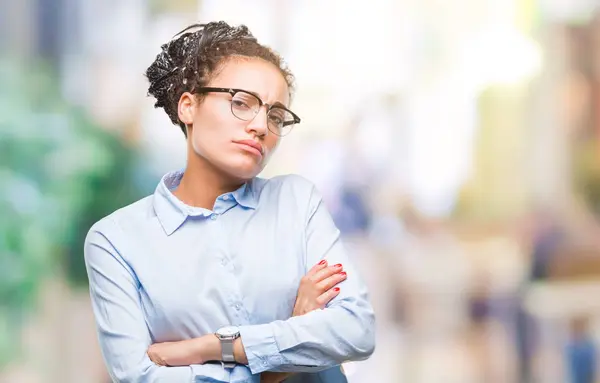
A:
{"x": 224, "y": 261}
{"x": 214, "y": 217}
{"x": 225, "y": 197}
{"x": 238, "y": 306}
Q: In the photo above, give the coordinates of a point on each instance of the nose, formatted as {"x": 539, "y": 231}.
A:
{"x": 258, "y": 124}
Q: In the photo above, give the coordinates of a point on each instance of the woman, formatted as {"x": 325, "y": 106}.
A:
{"x": 221, "y": 275}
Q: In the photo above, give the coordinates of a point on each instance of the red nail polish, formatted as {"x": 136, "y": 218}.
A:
{"x": 336, "y": 289}
{"x": 338, "y": 265}
{"x": 322, "y": 262}
{"x": 343, "y": 273}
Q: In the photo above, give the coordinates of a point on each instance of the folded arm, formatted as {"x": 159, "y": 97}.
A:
{"x": 320, "y": 339}
{"x": 123, "y": 334}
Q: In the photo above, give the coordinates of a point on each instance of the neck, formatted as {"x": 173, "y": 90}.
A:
{"x": 202, "y": 184}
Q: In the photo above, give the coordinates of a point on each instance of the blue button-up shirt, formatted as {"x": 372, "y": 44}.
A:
{"x": 160, "y": 271}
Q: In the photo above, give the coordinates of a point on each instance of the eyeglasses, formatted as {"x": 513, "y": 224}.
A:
{"x": 246, "y": 105}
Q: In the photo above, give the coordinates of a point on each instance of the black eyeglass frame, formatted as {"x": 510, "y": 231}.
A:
{"x": 234, "y": 91}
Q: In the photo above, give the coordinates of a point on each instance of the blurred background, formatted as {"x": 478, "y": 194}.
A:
{"x": 456, "y": 144}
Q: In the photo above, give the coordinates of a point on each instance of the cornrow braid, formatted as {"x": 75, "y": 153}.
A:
{"x": 191, "y": 58}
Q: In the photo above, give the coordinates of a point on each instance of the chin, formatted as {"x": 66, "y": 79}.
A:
{"x": 244, "y": 171}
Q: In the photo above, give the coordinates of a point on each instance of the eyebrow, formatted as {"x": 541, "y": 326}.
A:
{"x": 276, "y": 103}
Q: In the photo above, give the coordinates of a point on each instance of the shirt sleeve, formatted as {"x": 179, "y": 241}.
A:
{"x": 123, "y": 335}
{"x": 343, "y": 331}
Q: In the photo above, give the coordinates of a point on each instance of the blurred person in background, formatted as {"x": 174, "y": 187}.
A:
{"x": 222, "y": 275}
{"x": 581, "y": 353}
{"x": 562, "y": 253}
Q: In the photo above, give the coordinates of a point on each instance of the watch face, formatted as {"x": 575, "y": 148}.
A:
{"x": 228, "y": 331}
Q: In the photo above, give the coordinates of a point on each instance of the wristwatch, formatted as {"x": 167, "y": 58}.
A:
{"x": 227, "y": 335}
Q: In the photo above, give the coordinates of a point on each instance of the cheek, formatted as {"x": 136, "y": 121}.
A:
{"x": 271, "y": 142}
{"x": 209, "y": 131}
{"x": 204, "y": 139}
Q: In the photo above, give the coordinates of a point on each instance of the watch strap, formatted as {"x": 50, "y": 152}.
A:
{"x": 227, "y": 356}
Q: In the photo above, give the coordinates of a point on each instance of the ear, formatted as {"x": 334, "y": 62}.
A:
{"x": 186, "y": 108}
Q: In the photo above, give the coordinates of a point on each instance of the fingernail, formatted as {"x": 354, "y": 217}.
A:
{"x": 322, "y": 262}
{"x": 338, "y": 265}
{"x": 336, "y": 289}
{"x": 343, "y": 273}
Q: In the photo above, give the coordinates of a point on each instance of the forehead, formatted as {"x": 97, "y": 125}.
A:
{"x": 254, "y": 75}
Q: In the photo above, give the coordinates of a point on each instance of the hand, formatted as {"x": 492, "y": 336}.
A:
{"x": 317, "y": 287}
{"x": 274, "y": 377}
{"x": 185, "y": 352}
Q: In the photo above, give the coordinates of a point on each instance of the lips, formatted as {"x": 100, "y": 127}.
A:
{"x": 252, "y": 144}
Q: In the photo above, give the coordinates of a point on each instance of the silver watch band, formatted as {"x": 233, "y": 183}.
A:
{"x": 227, "y": 353}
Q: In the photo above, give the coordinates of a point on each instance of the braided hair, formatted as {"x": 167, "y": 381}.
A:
{"x": 190, "y": 60}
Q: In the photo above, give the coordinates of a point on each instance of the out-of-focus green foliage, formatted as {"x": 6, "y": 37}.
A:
{"x": 586, "y": 170}
{"x": 58, "y": 174}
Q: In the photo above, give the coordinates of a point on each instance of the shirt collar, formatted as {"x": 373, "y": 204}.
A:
{"x": 246, "y": 195}
{"x": 172, "y": 212}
